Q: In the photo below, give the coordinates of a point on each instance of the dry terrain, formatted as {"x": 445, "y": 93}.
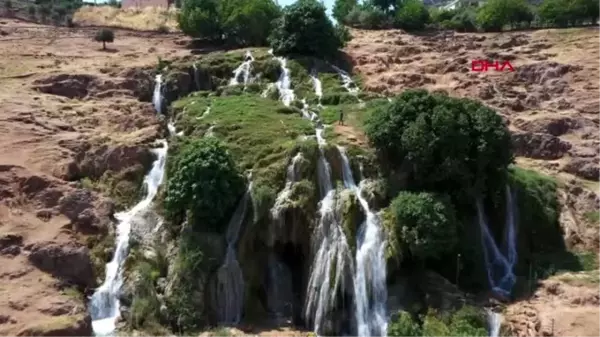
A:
{"x": 551, "y": 102}
{"x": 69, "y": 110}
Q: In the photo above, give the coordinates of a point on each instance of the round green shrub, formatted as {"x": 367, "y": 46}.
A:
{"x": 425, "y": 223}
{"x": 457, "y": 146}
{"x": 203, "y": 182}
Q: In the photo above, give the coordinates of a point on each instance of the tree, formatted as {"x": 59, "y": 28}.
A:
{"x": 341, "y": 9}
{"x": 31, "y": 11}
{"x": 495, "y": 14}
{"x": 201, "y": 19}
{"x": 45, "y": 11}
{"x": 426, "y": 223}
{"x": 412, "y": 15}
{"x": 451, "y": 145}
{"x": 367, "y": 16}
{"x": 203, "y": 183}
{"x": 404, "y": 325}
{"x": 248, "y": 22}
{"x": 104, "y": 35}
{"x": 305, "y": 29}
{"x": 8, "y": 7}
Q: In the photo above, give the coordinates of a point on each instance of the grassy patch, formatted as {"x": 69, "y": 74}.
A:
{"x": 101, "y": 251}
{"x": 53, "y": 326}
{"x": 592, "y": 217}
{"x": 123, "y": 187}
{"x": 261, "y": 134}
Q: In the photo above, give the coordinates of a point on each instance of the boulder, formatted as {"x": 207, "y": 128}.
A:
{"x": 67, "y": 261}
{"x": 539, "y": 145}
{"x": 586, "y": 168}
{"x": 72, "y": 325}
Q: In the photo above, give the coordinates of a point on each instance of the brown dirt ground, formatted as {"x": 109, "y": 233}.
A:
{"x": 551, "y": 99}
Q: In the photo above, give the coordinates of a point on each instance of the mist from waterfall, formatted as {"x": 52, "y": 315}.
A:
{"x": 228, "y": 297}
{"x": 157, "y": 98}
{"x": 499, "y": 265}
{"x": 370, "y": 289}
{"x": 243, "y": 71}
{"x": 104, "y": 303}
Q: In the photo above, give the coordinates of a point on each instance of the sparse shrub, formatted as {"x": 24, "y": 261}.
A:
{"x": 162, "y": 29}
{"x": 341, "y": 9}
{"x": 404, "y": 325}
{"x": 104, "y": 35}
{"x": 31, "y": 11}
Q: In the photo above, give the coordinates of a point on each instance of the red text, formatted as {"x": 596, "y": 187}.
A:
{"x": 484, "y": 65}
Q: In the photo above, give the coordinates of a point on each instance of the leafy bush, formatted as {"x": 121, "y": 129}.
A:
{"x": 412, "y": 15}
{"x": 305, "y": 29}
{"x": 200, "y": 18}
{"x": 425, "y": 223}
{"x": 367, "y": 17}
{"x": 468, "y": 321}
{"x": 341, "y": 9}
{"x": 456, "y": 146}
{"x": 248, "y": 22}
{"x": 495, "y": 14}
{"x": 31, "y": 11}
{"x": 404, "y": 325}
{"x": 104, "y": 35}
{"x": 203, "y": 182}
{"x": 562, "y": 13}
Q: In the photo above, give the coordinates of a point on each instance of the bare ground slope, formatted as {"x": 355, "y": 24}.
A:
{"x": 67, "y": 110}
{"x": 551, "y": 102}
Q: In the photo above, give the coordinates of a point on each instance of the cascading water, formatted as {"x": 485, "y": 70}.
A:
{"x": 499, "y": 266}
{"x": 228, "y": 297}
{"x": 196, "y": 76}
{"x": 494, "y": 323}
{"x": 371, "y": 318}
{"x": 104, "y": 304}
{"x": 317, "y": 85}
{"x": 283, "y": 84}
{"x": 157, "y": 98}
{"x": 243, "y": 71}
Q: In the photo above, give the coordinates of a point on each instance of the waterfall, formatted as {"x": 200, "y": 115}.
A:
{"x": 243, "y": 71}
{"x": 371, "y": 318}
{"x": 196, "y": 76}
{"x": 494, "y": 322}
{"x": 157, "y": 98}
{"x": 228, "y": 297}
{"x": 317, "y": 86}
{"x": 104, "y": 304}
{"x": 283, "y": 84}
{"x": 499, "y": 266}
{"x": 284, "y": 194}
{"x": 349, "y": 84}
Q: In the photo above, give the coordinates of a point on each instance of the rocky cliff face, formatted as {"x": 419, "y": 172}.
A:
{"x": 74, "y": 127}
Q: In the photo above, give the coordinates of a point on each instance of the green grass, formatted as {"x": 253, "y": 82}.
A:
{"x": 592, "y": 217}
{"x": 261, "y": 133}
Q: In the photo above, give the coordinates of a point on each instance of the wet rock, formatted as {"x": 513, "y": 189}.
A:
{"x": 68, "y": 261}
{"x": 177, "y": 84}
{"x": 72, "y": 325}
{"x": 586, "y": 168}
{"x": 95, "y": 162}
{"x": 78, "y": 206}
{"x": 539, "y": 145}
{"x": 140, "y": 81}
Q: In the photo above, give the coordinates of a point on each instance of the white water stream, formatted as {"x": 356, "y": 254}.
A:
{"x": 104, "y": 304}
{"x": 370, "y": 290}
{"x": 283, "y": 84}
{"x": 228, "y": 297}
{"x": 243, "y": 71}
{"x": 157, "y": 97}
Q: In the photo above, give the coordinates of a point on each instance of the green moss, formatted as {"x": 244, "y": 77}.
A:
{"x": 123, "y": 187}
{"x": 101, "y": 251}
{"x": 53, "y": 326}
{"x": 352, "y": 217}
{"x": 393, "y": 251}
{"x": 592, "y": 217}
{"x": 259, "y": 136}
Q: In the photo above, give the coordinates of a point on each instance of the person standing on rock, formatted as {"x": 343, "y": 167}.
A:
{"x": 341, "y": 121}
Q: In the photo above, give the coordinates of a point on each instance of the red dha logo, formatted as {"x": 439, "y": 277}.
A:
{"x": 483, "y": 65}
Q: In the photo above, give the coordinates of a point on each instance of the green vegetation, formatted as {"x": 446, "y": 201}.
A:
{"x": 493, "y": 15}
{"x": 425, "y": 223}
{"x": 203, "y": 183}
{"x": 592, "y": 217}
{"x": 104, "y": 35}
{"x": 305, "y": 29}
{"x": 238, "y": 22}
{"x": 454, "y": 146}
{"x": 467, "y": 321}
{"x": 60, "y": 11}
{"x": 237, "y": 119}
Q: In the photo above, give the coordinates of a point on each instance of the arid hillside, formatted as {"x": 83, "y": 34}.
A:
{"x": 76, "y": 121}
{"x": 551, "y": 102}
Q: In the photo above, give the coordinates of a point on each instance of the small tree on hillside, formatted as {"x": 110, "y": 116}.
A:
{"x": 31, "y": 11}
{"x": 8, "y": 7}
{"x": 305, "y": 29}
{"x": 104, "y": 35}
